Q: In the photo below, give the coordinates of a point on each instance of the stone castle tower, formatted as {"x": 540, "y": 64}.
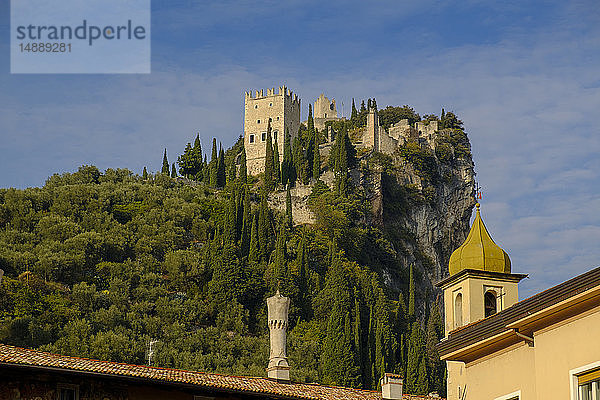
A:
{"x": 282, "y": 109}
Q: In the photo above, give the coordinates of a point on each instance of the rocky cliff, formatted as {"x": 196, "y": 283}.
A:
{"x": 421, "y": 197}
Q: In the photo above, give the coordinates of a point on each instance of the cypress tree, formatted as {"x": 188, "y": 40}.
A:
{"x": 227, "y": 282}
{"x": 374, "y": 104}
{"x": 379, "y": 351}
{"x": 264, "y": 231}
{"x": 213, "y": 166}
{"x": 254, "y": 249}
{"x": 337, "y": 358}
{"x": 310, "y": 147}
{"x": 277, "y": 166}
{"x": 316, "y": 161}
{"x": 286, "y": 164}
{"x": 230, "y": 221}
{"x": 311, "y": 122}
{"x": 243, "y": 167}
{"x": 145, "y": 174}
{"x": 288, "y": 208}
{"x": 302, "y": 276}
{"x": 416, "y": 350}
{"x": 280, "y": 257}
{"x": 206, "y": 171}
{"x": 165, "y": 164}
{"x": 184, "y": 161}
{"x": 269, "y": 162}
{"x": 196, "y": 159}
{"x": 358, "y": 350}
{"x": 372, "y": 338}
{"x": 298, "y": 157}
{"x": 369, "y": 104}
{"x": 231, "y": 172}
{"x": 362, "y": 107}
{"x": 442, "y": 118}
{"x": 221, "y": 168}
{"x": 239, "y": 211}
{"x": 173, "y": 171}
{"x": 340, "y": 168}
{"x": 246, "y": 223}
{"x": 422, "y": 386}
{"x": 411, "y": 295}
{"x": 354, "y": 115}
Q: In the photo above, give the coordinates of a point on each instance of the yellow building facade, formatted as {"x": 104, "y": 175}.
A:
{"x": 499, "y": 348}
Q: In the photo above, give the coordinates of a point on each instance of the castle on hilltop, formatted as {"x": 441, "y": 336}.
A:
{"x": 282, "y": 110}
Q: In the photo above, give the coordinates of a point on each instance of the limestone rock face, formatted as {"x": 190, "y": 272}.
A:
{"x": 430, "y": 219}
{"x": 424, "y": 212}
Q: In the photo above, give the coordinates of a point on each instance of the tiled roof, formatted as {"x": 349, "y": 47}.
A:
{"x": 15, "y": 356}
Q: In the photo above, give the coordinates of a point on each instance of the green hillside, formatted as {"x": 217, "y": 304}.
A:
{"x": 99, "y": 263}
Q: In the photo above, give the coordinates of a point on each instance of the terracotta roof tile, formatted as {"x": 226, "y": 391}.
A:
{"x": 10, "y": 355}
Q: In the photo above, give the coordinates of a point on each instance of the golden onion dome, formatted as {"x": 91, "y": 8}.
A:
{"x": 479, "y": 251}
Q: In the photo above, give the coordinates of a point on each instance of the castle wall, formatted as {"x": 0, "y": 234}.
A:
{"x": 375, "y": 136}
{"x": 283, "y": 109}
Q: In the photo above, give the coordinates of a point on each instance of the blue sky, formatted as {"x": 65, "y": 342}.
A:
{"x": 523, "y": 76}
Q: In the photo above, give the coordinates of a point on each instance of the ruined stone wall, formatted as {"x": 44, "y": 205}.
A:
{"x": 324, "y": 110}
{"x": 301, "y": 213}
{"x": 427, "y": 131}
{"x": 282, "y": 109}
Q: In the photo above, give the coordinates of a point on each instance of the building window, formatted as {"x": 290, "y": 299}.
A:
{"x": 258, "y": 121}
{"x": 588, "y": 385}
{"x": 67, "y": 392}
{"x": 270, "y": 104}
{"x": 256, "y": 106}
{"x": 277, "y": 118}
{"x": 458, "y": 311}
{"x": 585, "y": 382}
{"x": 490, "y": 303}
{"x": 263, "y": 136}
{"x": 275, "y": 135}
{"x": 251, "y": 139}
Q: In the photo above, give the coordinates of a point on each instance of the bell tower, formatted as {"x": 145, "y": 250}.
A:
{"x": 480, "y": 284}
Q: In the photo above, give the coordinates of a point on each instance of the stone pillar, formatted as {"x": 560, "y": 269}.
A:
{"x": 278, "y": 307}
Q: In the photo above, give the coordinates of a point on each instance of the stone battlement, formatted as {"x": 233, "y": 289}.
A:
{"x": 282, "y": 91}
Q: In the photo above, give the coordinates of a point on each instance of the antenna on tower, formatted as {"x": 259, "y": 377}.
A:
{"x": 478, "y": 192}
{"x": 150, "y": 352}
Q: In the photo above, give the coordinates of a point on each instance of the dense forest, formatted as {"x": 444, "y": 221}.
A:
{"x": 98, "y": 264}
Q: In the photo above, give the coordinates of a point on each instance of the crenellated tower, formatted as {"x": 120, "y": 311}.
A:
{"x": 281, "y": 109}
{"x": 278, "y": 307}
